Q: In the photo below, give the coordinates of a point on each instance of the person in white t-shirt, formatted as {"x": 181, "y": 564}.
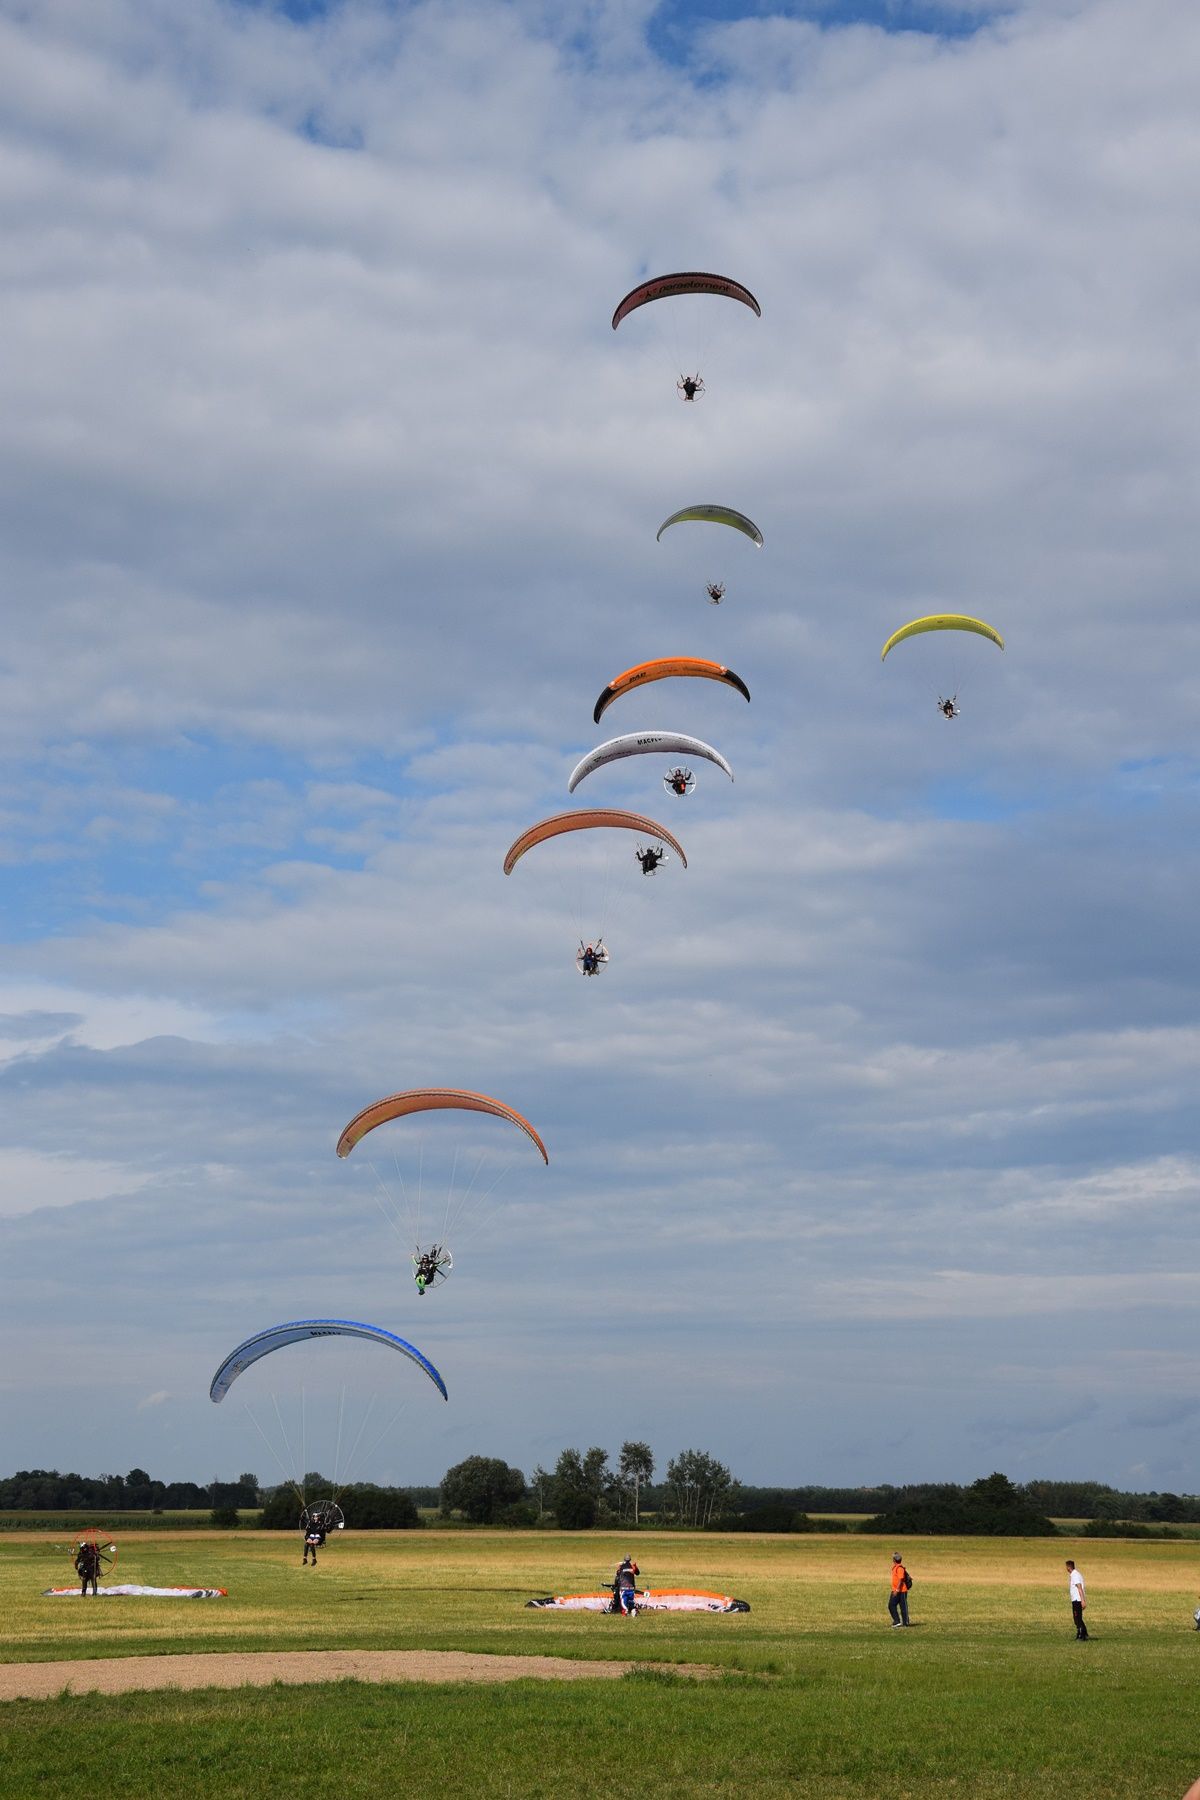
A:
{"x": 1078, "y": 1600}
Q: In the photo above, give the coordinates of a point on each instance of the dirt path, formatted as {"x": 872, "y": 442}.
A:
{"x": 130, "y": 1674}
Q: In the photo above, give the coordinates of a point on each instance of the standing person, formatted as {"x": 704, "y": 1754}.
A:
{"x": 898, "y": 1598}
{"x": 1078, "y": 1601}
{"x": 87, "y": 1566}
{"x": 625, "y": 1587}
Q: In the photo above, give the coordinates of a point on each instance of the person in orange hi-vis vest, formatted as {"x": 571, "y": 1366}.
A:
{"x": 898, "y": 1598}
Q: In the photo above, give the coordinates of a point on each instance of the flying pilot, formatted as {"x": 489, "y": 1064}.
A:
{"x": 948, "y": 708}
{"x": 690, "y": 385}
{"x": 427, "y": 1266}
{"x": 651, "y": 858}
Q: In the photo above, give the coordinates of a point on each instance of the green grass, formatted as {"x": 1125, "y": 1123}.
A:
{"x": 199, "y": 1518}
{"x": 988, "y": 1697}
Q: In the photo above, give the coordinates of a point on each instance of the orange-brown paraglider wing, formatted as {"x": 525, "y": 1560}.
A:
{"x": 397, "y": 1106}
{"x": 587, "y": 819}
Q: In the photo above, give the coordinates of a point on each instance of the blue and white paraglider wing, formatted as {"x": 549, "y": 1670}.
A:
{"x": 299, "y": 1331}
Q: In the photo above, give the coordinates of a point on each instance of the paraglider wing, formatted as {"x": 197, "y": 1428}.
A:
{"x": 648, "y": 1600}
{"x": 298, "y": 1331}
{"x": 397, "y": 1106}
{"x": 587, "y": 820}
{"x": 713, "y": 515}
{"x": 687, "y": 281}
{"x": 942, "y": 622}
{"x": 660, "y": 670}
{"x": 644, "y": 743}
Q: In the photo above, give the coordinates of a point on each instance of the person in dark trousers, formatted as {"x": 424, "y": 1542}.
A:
{"x": 314, "y": 1537}
{"x": 898, "y": 1598}
{"x": 1078, "y": 1601}
{"x": 87, "y": 1566}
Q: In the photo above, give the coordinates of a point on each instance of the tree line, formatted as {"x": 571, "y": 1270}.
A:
{"x": 585, "y": 1489}
{"x": 45, "y": 1490}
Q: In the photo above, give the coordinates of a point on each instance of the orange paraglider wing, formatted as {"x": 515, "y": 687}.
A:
{"x": 660, "y": 670}
{"x": 397, "y": 1106}
{"x": 585, "y": 820}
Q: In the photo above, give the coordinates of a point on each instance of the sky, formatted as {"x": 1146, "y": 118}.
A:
{"x": 328, "y": 503}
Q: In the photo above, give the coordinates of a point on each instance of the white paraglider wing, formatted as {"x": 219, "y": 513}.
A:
{"x": 644, "y": 743}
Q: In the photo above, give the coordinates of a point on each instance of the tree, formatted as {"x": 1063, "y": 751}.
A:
{"x": 480, "y": 1488}
{"x": 636, "y": 1467}
{"x": 542, "y": 1483}
{"x": 581, "y": 1487}
{"x": 575, "y": 1510}
{"x": 699, "y": 1486}
{"x": 597, "y": 1476}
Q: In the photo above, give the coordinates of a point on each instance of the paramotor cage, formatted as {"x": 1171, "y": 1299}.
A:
{"x": 431, "y": 1267}
{"x": 326, "y": 1514}
{"x": 98, "y": 1540}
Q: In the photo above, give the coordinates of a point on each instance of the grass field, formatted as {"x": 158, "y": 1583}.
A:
{"x": 988, "y": 1696}
{"x": 43, "y": 1523}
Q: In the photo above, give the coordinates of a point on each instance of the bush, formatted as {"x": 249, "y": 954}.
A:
{"x": 367, "y": 1508}
{"x": 520, "y": 1513}
{"x": 226, "y": 1517}
{"x": 776, "y": 1515}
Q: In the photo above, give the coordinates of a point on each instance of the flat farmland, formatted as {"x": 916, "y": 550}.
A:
{"x": 987, "y": 1695}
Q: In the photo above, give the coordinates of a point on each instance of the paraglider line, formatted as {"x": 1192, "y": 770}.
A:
{"x": 481, "y": 1201}
{"x": 361, "y": 1429}
{"x": 389, "y": 1427}
{"x": 290, "y": 1480}
{"x": 337, "y": 1452}
{"x": 450, "y": 1194}
{"x": 382, "y": 1200}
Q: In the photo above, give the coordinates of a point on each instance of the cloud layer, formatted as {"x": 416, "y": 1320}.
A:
{"x": 328, "y": 507}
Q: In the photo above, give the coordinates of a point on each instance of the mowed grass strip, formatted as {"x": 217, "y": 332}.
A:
{"x": 987, "y": 1695}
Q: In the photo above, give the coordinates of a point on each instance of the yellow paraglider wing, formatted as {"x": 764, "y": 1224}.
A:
{"x": 942, "y": 622}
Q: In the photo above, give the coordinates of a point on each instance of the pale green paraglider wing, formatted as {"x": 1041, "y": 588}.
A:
{"x": 713, "y": 515}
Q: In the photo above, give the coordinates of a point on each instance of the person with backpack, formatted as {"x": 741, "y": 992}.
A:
{"x": 898, "y": 1598}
